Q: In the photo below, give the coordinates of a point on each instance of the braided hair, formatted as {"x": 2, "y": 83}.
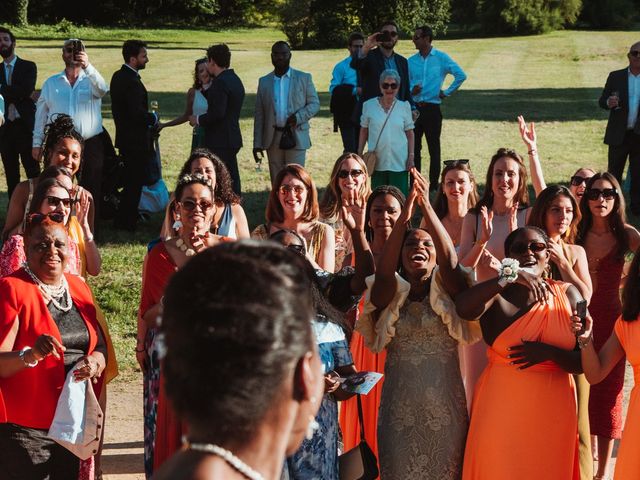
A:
{"x": 61, "y": 126}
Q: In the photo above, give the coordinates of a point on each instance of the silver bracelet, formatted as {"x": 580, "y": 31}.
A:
{"x": 22, "y": 354}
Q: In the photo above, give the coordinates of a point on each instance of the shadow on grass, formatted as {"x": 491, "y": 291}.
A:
{"x": 538, "y": 104}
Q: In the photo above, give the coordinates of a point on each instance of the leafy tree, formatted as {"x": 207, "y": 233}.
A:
{"x": 609, "y": 13}
{"x": 14, "y": 12}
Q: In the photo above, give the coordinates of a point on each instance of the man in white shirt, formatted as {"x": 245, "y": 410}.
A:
{"x": 344, "y": 88}
{"x": 285, "y": 97}
{"x": 427, "y": 71}
{"x": 76, "y": 91}
{"x": 621, "y": 96}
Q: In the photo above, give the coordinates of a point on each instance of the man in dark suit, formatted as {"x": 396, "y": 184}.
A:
{"x": 372, "y": 61}
{"x": 134, "y": 129}
{"x": 222, "y": 120}
{"x": 17, "y": 83}
{"x": 621, "y": 96}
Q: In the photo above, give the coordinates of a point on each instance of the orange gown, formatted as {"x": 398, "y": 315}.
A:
{"x": 628, "y": 463}
{"x": 523, "y": 422}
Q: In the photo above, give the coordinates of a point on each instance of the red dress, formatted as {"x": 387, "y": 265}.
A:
{"x": 605, "y": 398}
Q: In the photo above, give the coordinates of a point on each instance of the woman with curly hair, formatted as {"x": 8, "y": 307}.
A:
{"x": 349, "y": 179}
{"x": 196, "y": 103}
{"x": 229, "y": 219}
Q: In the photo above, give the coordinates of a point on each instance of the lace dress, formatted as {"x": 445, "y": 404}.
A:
{"x": 423, "y": 421}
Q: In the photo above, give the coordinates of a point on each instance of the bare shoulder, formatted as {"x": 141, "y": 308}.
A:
{"x": 634, "y": 237}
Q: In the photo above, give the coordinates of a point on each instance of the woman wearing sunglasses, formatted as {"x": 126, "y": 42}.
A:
{"x": 387, "y": 127}
{"x": 578, "y": 182}
{"x": 607, "y": 239}
{"x": 293, "y": 205}
{"x": 349, "y": 180}
{"x": 523, "y": 418}
{"x": 194, "y": 203}
{"x": 48, "y": 323}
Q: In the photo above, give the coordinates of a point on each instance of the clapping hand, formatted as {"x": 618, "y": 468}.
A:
{"x": 421, "y": 185}
{"x": 486, "y": 222}
{"x": 353, "y": 210}
{"x": 82, "y": 208}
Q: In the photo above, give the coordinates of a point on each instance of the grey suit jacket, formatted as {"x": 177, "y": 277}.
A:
{"x": 303, "y": 101}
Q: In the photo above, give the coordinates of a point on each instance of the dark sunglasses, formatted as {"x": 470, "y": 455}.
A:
{"x": 386, "y": 86}
{"x": 521, "y": 247}
{"x": 38, "y": 218}
{"x": 53, "y": 201}
{"x": 606, "y": 193}
{"x": 299, "y": 249}
{"x": 391, "y": 33}
{"x": 353, "y": 173}
{"x": 635, "y": 53}
{"x": 190, "y": 205}
{"x": 577, "y": 180}
{"x": 455, "y": 163}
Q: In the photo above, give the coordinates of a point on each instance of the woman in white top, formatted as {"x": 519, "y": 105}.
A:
{"x": 196, "y": 103}
{"x": 393, "y": 141}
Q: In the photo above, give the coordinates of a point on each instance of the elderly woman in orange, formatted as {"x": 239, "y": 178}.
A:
{"x": 48, "y": 323}
{"x": 293, "y": 205}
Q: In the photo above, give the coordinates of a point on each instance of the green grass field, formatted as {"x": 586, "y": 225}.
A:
{"x": 553, "y": 80}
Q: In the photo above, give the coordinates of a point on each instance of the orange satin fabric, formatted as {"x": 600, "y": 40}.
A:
{"x": 628, "y": 463}
{"x": 523, "y": 422}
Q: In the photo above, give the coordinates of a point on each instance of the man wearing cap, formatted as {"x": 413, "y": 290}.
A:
{"x": 76, "y": 91}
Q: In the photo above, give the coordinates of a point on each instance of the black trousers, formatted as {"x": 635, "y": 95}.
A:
{"x": 618, "y": 154}
{"x": 135, "y": 162}
{"x": 429, "y": 123}
{"x": 91, "y": 169}
{"x": 230, "y": 158}
{"x": 15, "y": 146}
{"x": 350, "y": 133}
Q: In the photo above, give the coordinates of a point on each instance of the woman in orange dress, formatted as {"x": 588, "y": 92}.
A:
{"x": 383, "y": 209}
{"x": 625, "y": 340}
{"x": 523, "y": 418}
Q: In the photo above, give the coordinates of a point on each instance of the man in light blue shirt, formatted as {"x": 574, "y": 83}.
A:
{"x": 1, "y": 110}
{"x": 427, "y": 71}
{"x": 344, "y": 98}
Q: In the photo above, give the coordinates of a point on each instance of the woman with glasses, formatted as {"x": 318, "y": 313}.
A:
{"x": 607, "y": 239}
{"x": 293, "y": 205}
{"x": 387, "y": 128}
{"x": 578, "y": 182}
{"x": 523, "y": 418}
{"x": 194, "y": 208}
{"x": 457, "y": 193}
{"x": 349, "y": 180}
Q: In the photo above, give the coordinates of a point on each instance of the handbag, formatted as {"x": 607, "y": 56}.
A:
{"x": 287, "y": 140}
{"x": 371, "y": 157}
{"x": 359, "y": 463}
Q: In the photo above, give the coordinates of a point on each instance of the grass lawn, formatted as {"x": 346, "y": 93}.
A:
{"x": 554, "y": 80}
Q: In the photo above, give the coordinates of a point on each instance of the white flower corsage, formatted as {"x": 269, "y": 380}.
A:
{"x": 508, "y": 272}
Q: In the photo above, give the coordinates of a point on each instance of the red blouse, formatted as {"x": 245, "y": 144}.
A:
{"x": 31, "y": 395}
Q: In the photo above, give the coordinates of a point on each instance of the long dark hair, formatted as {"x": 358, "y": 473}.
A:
{"x": 631, "y": 291}
{"x": 197, "y": 84}
{"x": 538, "y": 215}
{"x": 440, "y": 204}
{"x": 522, "y": 195}
{"x": 223, "y": 191}
{"x": 616, "y": 218}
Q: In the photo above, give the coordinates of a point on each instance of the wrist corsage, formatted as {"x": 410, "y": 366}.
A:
{"x": 508, "y": 272}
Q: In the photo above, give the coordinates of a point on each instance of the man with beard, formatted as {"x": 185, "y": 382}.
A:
{"x": 134, "y": 129}
{"x": 76, "y": 91}
{"x": 286, "y": 97}
{"x": 17, "y": 83}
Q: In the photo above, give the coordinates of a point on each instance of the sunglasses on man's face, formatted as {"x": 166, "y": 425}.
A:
{"x": 352, "y": 173}
{"x": 392, "y": 86}
{"x": 54, "y": 201}
{"x": 606, "y": 193}
{"x": 522, "y": 247}
{"x": 190, "y": 205}
{"x": 635, "y": 53}
{"x": 455, "y": 163}
{"x": 577, "y": 180}
{"x": 38, "y": 218}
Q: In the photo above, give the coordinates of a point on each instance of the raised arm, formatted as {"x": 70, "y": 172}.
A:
{"x": 576, "y": 274}
{"x": 471, "y": 248}
{"x": 528, "y": 134}
{"x": 353, "y": 215}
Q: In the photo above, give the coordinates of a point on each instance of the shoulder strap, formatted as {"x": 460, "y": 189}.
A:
{"x": 360, "y": 417}
{"x": 385, "y": 122}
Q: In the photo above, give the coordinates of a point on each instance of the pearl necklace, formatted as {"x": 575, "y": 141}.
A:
{"x": 228, "y": 457}
{"x": 52, "y": 293}
{"x": 182, "y": 245}
{"x": 197, "y": 245}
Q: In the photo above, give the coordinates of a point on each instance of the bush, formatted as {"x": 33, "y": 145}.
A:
{"x": 609, "y": 13}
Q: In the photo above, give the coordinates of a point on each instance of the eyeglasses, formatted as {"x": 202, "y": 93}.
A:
{"x": 297, "y": 189}
{"x": 521, "y": 247}
{"x": 455, "y": 163}
{"x": 299, "y": 249}
{"x": 606, "y": 193}
{"x": 38, "y": 218}
{"x": 386, "y": 86}
{"x": 635, "y": 53}
{"x": 53, "y": 201}
{"x": 577, "y": 180}
{"x": 353, "y": 173}
{"x": 190, "y": 205}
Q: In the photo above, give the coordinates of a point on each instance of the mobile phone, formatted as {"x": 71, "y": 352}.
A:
{"x": 383, "y": 37}
{"x": 581, "y": 309}
{"x": 77, "y": 46}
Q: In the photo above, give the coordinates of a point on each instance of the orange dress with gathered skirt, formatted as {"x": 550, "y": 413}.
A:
{"x": 628, "y": 463}
{"x": 523, "y": 422}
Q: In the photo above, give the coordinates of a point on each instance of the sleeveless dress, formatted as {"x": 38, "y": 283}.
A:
{"x": 523, "y": 422}
{"x": 605, "y": 398}
{"x": 628, "y": 463}
{"x": 423, "y": 422}
{"x": 198, "y": 107}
